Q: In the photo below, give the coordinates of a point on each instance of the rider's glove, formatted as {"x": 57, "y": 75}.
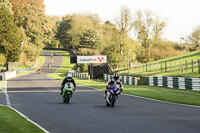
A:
{"x": 121, "y": 89}
{"x": 106, "y": 87}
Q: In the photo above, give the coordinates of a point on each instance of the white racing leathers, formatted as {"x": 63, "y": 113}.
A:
{"x": 108, "y": 85}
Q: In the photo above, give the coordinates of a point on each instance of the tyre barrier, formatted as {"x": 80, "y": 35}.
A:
{"x": 130, "y": 80}
{"x": 174, "y": 82}
{"x": 79, "y": 75}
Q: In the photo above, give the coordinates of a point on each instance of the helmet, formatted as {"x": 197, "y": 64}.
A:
{"x": 69, "y": 77}
{"x": 116, "y": 76}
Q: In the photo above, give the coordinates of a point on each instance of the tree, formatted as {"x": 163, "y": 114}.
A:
{"x": 110, "y": 35}
{"x": 148, "y": 27}
{"x": 72, "y": 27}
{"x": 194, "y": 38}
{"x": 62, "y": 33}
{"x": 90, "y": 39}
{"x": 37, "y": 3}
{"x": 158, "y": 29}
{"x": 35, "y": 25}
{"x": 124, "y": 23}
{"x": 142, "y": 26}
{"x": 10, "y": 35}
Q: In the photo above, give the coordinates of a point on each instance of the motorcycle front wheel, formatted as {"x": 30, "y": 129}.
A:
{"x": 112, "y": 101}
{"x": 107, "y": 104}
{"x": 66, "y": 98}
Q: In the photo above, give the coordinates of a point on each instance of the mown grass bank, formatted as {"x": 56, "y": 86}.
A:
{"x": 12, "y": 122}
{"x": 65, "y": 67}
{"x": 159, "y": 93}
{"x": 40, "y": 62}
{"x": 172, "y": 67}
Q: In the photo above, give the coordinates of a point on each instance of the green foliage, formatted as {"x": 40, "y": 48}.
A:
{"x": 83, "y": 67}
{"x": 111, "y": 42}
{"x": 10, "y": 35}
{"x": 125, "y": 23}
{"x": 195, "y": 37}
{"x": 55, "y": 44}
{"x": 31, "y": 52}
{"x": 35, "y": 24}
{"x": 2, "y": 60}
{"x": 90, "y": 39}
{"x": 148, "y": 27}
{"x": 160, "y": 50}
{"x": 86, "y": 51}
{"x": 63, "y": 31}
{"x": 113, "y": 53}
{"x": 72, "y": 27}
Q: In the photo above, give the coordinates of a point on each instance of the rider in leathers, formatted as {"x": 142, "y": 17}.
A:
{"x": 114, "y": 79}
{"x": 67, "y": 79}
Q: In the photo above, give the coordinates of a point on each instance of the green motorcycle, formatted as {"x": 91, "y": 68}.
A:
{"x": 68, "y": 90}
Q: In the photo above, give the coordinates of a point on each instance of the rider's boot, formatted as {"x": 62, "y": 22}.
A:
{"x": 105, "y": 93}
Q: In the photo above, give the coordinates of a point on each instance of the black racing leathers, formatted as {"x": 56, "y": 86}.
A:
{"x": 65, "y": 81}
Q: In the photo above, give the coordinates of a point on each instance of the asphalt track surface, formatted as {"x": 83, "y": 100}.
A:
{"x": 37, "y": 97}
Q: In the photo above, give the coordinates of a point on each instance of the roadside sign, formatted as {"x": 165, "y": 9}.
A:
{"x": 92, "y": 59}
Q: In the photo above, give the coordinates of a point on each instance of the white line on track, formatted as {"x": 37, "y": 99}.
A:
{"x": 148, "y": 98}
{"x": 46, "y": 91}
{"x": 9, "y": 105}
{"x": 6, "y": 94}
{"x": 26, "y": 118}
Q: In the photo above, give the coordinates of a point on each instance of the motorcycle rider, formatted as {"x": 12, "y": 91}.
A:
{"x": 114, "y": 79}
{"x": 67, "y": 79}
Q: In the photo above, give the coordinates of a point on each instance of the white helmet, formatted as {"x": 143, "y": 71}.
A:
{"x": 69, "y": 77}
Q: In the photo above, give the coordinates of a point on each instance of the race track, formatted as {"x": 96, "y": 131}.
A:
{"x": 38, "y": 97}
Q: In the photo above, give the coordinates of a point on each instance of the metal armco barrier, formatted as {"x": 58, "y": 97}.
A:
{"x": 125, "y": 79}
{"x": 79, "y": 75}
{"x": 28, "y": 68}
{"x": 174, "y": 82}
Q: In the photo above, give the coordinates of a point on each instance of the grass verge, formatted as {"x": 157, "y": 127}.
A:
{"x": 160, "y": 93}
{"x": 170, "y": 67}
{"x": 65, "y": 67}
{"x": 40, "y": 62}
{"x": 12, "y": 122}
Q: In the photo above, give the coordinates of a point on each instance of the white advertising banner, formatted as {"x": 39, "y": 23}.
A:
{"x": 92, "y": 59}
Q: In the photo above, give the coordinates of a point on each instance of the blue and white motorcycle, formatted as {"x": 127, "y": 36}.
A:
{"x": 112, "y": 95}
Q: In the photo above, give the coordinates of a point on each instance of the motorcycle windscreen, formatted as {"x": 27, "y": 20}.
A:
{"x": 69, "y": 86}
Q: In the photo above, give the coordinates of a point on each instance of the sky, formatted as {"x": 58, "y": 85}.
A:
{"x": 182, "y": 16}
